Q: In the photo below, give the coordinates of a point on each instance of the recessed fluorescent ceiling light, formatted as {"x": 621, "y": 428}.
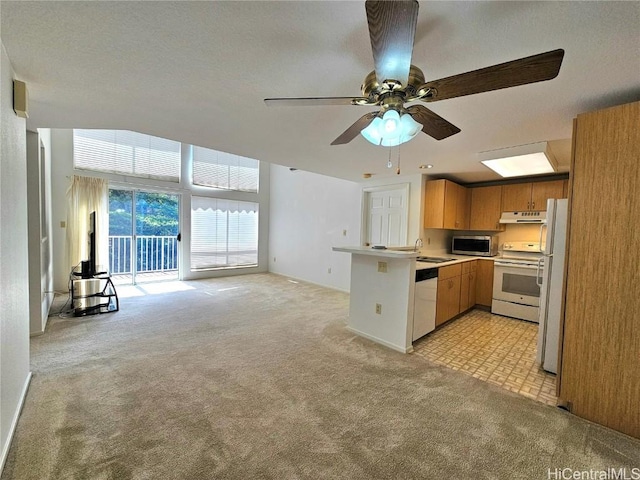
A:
{"x": 531, "y": 159}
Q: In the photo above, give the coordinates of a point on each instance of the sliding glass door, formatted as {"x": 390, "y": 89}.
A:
{"x": 143, "y": 236}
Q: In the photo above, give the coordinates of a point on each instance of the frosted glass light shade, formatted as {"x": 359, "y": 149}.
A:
{"x": 392, "y": 129}
{"x": 372, "y": 132}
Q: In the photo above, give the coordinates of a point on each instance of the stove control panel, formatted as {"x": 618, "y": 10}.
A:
{"x": 521, "y": 246}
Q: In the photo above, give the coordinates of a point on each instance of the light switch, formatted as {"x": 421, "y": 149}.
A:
{"x": 382, "y": 267}
{"x": 63, "y": 224}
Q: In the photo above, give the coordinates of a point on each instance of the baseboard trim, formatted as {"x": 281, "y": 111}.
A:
{"x": 14, "y": 422}
{"x": 390, "y": 345}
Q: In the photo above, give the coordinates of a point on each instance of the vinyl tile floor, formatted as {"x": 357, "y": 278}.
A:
{"x": 496, "y": 349}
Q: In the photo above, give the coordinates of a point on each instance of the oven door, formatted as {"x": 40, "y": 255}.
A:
{"x": 516, "y": 283}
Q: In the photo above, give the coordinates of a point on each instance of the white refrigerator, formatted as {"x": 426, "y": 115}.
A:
{"x": 551, "y": 287}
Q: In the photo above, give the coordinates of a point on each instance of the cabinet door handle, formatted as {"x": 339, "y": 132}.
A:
{"x": 528, "y": 205}
{"x": 533, "y": 205}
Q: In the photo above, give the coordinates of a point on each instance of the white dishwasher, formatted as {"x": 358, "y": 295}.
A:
{"x": 424, "y": 309}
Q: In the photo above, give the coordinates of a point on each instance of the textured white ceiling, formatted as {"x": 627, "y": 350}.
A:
{"x": 198, "y": 72}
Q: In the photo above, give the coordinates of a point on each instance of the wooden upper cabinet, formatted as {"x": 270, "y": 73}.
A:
{"x": 463, "y": 206}
{"x": 486, "y": 208}
{"x": 450, "y": 205}
{"x": 516, "y": 197}
{"x": 542, "y": 191}
{"x": 530, "y": 196}
{"x": 446, "y": 205}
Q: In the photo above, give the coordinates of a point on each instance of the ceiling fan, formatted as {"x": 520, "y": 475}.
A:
{"x": 395, "y": 81}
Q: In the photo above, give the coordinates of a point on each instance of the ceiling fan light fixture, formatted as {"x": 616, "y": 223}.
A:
{"x": 390, "y": 124}
{"x": 531, "y": 159}
{"x": 409, "y": 126}
{"x": 372, "y": 131}
{"x": 392, "y": 129}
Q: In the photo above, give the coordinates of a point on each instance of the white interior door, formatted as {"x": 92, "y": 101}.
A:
{"x": 386, "y": 215}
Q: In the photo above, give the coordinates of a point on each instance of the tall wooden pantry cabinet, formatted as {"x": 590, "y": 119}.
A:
{"x": 600, "y": 370}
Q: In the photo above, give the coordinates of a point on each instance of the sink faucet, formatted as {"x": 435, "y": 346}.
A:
{"x": 417, "y": 244}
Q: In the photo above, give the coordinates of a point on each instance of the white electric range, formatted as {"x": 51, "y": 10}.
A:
{"x": 517, "y": 276}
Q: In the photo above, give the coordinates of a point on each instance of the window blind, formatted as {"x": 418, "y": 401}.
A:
{"x": 224, "y": 170}
{"x": 128, "y": 153}
{"x": 224, "y": 233}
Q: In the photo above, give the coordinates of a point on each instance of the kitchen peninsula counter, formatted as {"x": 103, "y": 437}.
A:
{"x": 382, "y": 295}
{"x": 382, "y": 292}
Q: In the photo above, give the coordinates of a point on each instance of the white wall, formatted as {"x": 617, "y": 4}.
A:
{"x": 14, "y": 282}
{"x": 61, "y": 172}
{"x": 308, "y": 216}
{"x": 38, "y": 196}
{"x": 309, "y": 213}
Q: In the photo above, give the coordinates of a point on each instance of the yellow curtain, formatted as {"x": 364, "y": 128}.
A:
{"x": 86, "y": 195}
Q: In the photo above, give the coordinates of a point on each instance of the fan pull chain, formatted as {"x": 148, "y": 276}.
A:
{"x": 389, "y": 164}
{"x": 398, "y": 169}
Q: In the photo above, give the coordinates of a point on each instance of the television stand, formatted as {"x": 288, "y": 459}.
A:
{"x": 92, "y": 296}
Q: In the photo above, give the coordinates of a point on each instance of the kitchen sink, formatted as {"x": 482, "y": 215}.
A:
{"x": 435, "y": 259}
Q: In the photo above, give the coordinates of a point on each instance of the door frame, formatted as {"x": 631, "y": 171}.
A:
{"x": 366, "y": 193}
{"x": 149, "y": 189}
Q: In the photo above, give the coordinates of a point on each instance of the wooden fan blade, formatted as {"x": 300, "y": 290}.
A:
{"x": 432, "y": 124}
{"x": 536, "y": 68}
{"x": 392, "y": 28}
{"x": 314, "y": 101}
{"x": 353, "y": 131}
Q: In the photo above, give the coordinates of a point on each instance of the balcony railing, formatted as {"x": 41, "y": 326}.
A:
{"x": 153, "y": 253}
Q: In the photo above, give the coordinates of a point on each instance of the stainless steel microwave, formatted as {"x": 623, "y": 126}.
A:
{"x": 476, "y": 245}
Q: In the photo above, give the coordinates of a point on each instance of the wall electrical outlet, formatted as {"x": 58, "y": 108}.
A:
{"x": 274, "y": 259}
{"x": 344, "y": 233}
{"x": 63, "y": 224}
{"x": 379, "y": 308}
{"x": 329, "y": 270}
{"x": 382, "y": 267}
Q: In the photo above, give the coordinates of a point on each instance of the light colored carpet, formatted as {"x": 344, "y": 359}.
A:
{"x": 256, "y": 377}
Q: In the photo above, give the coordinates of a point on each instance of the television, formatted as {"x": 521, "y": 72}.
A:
{"x": 89, "y": 266}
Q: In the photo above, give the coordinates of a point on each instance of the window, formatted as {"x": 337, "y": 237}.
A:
{"x": 127, "y": 153}
{"x": 224, "y": 170}
{"x": 224, "y": 233}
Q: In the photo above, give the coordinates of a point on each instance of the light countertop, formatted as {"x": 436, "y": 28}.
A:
{"x": 457, "y": 259}
{"x": 410, "y": 255}
{"x": 388, "y": 252}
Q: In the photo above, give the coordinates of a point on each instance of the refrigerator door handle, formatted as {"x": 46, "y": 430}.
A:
{"x": 538, "y": 278}
{"x": 542, "y": 248}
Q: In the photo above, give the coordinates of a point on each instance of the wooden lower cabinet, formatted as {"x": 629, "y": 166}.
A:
{"x": 448, "y": 299}
{"x": 468, "y": 286}
{"x": 463, "y": 286}
{"x": 484, "y": 282}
